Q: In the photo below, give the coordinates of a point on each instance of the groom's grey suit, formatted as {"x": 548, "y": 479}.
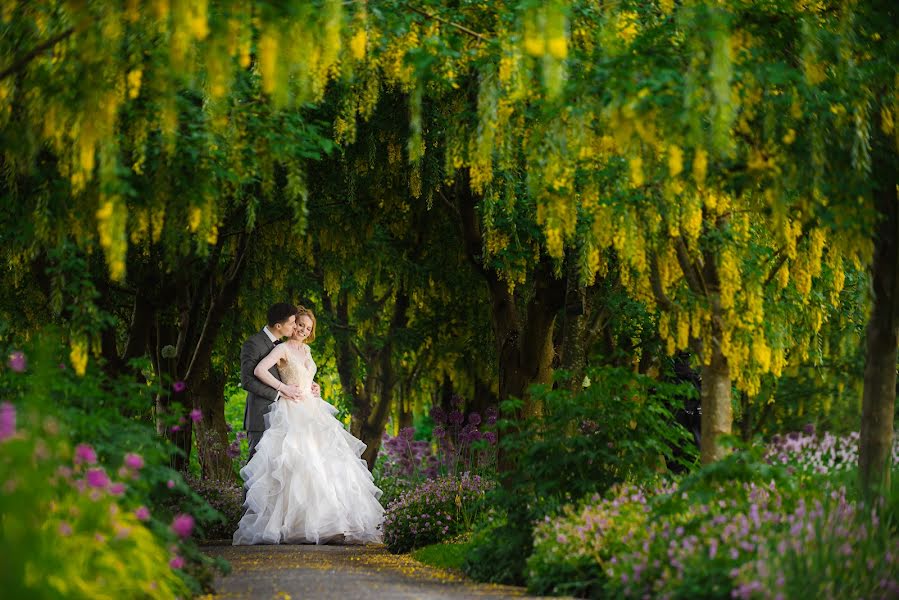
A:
{"x": 259, "y": 396}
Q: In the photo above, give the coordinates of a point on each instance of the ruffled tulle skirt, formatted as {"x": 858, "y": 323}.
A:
{"x": 307, "y": 484}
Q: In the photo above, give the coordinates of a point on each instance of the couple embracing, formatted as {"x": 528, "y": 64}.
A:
{"x": 305, "y": 481}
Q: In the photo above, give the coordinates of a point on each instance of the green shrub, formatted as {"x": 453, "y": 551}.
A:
{"x": 617, "y": 430}
{"x": 737, "y": 528}
{"x": 571, "y": 550}
{"x": 67, "y": 529}
{"x": 113, "y": 417}
{"x": 445, "y": 555}
{"x": 435, "y": 510}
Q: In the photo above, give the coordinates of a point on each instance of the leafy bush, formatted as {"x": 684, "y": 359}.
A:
{"x": 436, "y": 510}
{"x": 67, "y": 528}
{"x": 226, "y": 498}
{"x": 617, "y": 430}
{"x": 736, "y": 528}
{"x": 571, "y": 549}
{"x": 833, "y": 548}
{"x": 110, "y": 420}
{"x": 445, "y": 555}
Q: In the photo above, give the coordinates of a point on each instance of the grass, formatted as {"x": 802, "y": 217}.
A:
{"x": 446, "y": 555}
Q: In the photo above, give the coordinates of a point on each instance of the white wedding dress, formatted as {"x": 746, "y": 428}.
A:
{"x": 306, "y": 483}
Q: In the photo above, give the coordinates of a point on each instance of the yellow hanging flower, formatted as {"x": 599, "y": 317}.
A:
{"x": 78, "y": 355}
{"x": 636, "y": 168}
{"x": 675, "y": 160}
{"x": 357, "y": 44}
{"x": 700, "y": 166}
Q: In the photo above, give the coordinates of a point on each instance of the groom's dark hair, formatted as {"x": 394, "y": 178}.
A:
{"x": 280, "y": 312}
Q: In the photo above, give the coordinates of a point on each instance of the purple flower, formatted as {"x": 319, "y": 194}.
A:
{"x": 170, "y": 483}
{"x": 438, "y": 415}
{"x": 490, "y": 437}
{"x": 228, "y": 427}
{"x": 97, "y": 478}
{"x": 474, "y": 419}
{"x": 179, "y": 386}
{"x": 439, "y": 432}
{"x": 7, "y": 421}
{"x": 176, "y": 428}
{"x": 177, "y": 562}
{"x": 142, "y": 513}
{"x": 117, "y": 489}
{"x": 233, "y": 450}
{"x": 809, "y": 429}
{"x": 182, "y": 525}
{"x": 407, "y": 433}
{"x": 456, "y": 417}
{"x": 134, "y": 461}
{"x": 85, "y": 454}
{"x": 65, "y": 529}
{"x": 17, "y": 361}
{"x": 196, "y": 415}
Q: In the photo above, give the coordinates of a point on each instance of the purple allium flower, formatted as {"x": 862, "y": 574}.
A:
{"x": 809, "y": 429}
{"x": 7, "y": 420}
{"x": 407, "y": 433}
{"x": 456, "y": 417}
{"x": 439, "y": 432}
{"x": 474, "y": 419}
{"x": 97, "y": 478}
{"x": 170, "y": 483}
{"x": 85, "y": 454}
{"x": 182, "y": 525}
{"x": 17, "y": 361}
{"x": 176, "y": 428}
{"x": 196, "y": 415}
{"x": 233, "y": 449}
{"x": 177, "y": 562}
{"x": 142, "y": 513}
{"x": 134, "y": 461}
{"x": 179, "y": 386}
{"x": 117, "y": 489}
{"x": 65, "y": 529}
{"x": 438, "y": 415}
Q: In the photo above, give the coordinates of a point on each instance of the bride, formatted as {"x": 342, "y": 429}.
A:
{"x": 306, "y": 483}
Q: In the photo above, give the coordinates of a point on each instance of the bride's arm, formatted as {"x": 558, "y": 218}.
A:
{"x": 262, "y": 374}
{"x": 261, "y": 370}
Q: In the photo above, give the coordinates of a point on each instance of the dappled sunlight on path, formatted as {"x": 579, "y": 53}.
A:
{"x": 340, "y": 571}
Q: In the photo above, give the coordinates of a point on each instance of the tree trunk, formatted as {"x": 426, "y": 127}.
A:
{"x": 212, "y": 434}
{"x": 574, "y": 326}
{"x": 717, "y": 412}
{"x": 879, "y": 397}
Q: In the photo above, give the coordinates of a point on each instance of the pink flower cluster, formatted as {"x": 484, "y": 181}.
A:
{"x": 7, "y": 421}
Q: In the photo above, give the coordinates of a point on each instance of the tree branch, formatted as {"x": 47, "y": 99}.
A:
{"x": 23, "y": 61}
{"x": 461, "y": 28}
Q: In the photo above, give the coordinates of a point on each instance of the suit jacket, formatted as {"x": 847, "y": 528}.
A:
{"x": 259, "y": 396}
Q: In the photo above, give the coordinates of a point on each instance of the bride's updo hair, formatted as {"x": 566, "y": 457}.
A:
{"x": 302, "y": 311}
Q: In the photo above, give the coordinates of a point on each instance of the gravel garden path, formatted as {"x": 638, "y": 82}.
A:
{"x": 358, "y": 572}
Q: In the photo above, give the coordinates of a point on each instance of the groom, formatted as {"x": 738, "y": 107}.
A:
{"x": 260, "y": 397}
